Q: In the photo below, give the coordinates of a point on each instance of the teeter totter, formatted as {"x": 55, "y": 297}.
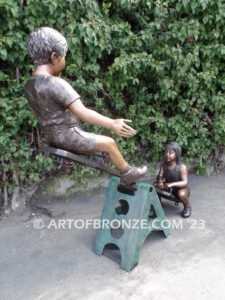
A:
{"x": 126, "y": 205}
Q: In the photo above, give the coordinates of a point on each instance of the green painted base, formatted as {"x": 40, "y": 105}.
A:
{"x": 132, "y": 213}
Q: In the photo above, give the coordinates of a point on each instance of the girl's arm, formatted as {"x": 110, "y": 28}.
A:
{"x": 118, "y": 126}
{"x": 159, "y": 179}
{"x": 184, "y": 178}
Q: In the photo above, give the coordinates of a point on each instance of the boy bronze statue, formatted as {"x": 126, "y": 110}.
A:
{"x": 59, "y": 108}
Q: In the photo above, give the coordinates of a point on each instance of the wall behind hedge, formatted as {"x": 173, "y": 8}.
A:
{"x": 159, "y": 63}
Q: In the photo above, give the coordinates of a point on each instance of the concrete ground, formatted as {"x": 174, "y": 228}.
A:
{"x": 50, "y": 263}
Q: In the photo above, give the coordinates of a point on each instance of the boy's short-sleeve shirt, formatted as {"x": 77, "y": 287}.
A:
{"x": 50, "y": 97}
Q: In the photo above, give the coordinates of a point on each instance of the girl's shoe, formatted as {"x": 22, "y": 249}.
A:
{"x": 186, "y": 212}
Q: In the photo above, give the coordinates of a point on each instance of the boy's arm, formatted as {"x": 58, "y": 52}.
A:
{"x": 118, "y": 126}
{"x": 184, "y": 178}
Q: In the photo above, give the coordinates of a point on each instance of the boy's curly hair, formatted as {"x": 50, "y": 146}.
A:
{"x": 43, "y": 42}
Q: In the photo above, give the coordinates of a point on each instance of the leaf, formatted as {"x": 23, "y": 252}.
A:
{"x": 3, "y": 54}
{"x": 185, "y": 3}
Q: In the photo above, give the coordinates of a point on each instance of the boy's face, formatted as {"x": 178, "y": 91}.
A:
{"x": 59, "y": 65}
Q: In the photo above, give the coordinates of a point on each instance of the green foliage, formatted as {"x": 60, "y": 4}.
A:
{"x": 159, "y": 63}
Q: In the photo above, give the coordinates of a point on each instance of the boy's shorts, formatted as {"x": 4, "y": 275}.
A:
{"x": 71, "y": 138}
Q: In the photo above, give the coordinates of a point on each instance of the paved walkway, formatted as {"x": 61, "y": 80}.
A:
{"x": 46, "y": 264}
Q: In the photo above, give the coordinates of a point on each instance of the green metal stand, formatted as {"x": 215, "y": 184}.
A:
{"x": 133, "y": 215}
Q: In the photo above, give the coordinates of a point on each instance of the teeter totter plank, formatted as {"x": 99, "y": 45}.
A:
{"x": 129, "y": 189}
{"x": 78, "y": 159}
{"x": 96, "y": 164}
{"x": 167, "y": 195}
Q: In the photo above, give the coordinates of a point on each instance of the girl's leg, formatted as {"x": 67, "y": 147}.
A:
{"x": 183, "y": 196}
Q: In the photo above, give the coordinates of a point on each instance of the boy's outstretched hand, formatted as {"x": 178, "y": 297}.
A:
{"x": 120, "y": 127}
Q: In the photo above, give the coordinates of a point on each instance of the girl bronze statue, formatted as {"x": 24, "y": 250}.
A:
{"x": 173, "y": 175}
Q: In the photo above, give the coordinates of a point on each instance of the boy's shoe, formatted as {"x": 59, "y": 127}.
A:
{"x": 186, "y": 212}
{"x": 131, "y": 174}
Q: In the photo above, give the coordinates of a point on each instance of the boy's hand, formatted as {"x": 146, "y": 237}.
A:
{"x": 122, "y": 129}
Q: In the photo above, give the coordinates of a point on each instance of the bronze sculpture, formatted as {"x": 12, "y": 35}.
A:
{"x": 58, "y": 106}
{"x": 173, "y": 174}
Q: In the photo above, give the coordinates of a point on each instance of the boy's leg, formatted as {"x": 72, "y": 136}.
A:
{"x": 76, "y": 140}
{"x": 108, "y": 145}
{"x": 128, "y": 174}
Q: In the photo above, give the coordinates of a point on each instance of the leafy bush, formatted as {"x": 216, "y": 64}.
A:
{"x": 159, "y": 63}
